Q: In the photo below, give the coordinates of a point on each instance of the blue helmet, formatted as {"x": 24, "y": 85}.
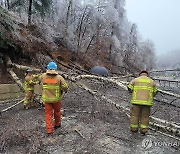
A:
{"x": 52, "y": 66}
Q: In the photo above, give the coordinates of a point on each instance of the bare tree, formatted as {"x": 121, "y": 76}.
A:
{"x": 98, "y": 29}
{"x": 30, "y": 11}
{"x": 8, "y": 4}
{"x": 67, "y": 18}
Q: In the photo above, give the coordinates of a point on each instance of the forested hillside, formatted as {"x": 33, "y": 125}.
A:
{"x": 91, "y": 109}
{"x": 76, "y": 30}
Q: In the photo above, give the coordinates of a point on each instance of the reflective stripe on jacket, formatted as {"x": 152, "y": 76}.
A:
{"x": 143, "y": 89}
{"x": 52, "y": 86}
{"x": 29, "y": 82}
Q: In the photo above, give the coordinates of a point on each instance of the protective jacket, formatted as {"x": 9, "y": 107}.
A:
{"x": 143, "y": 89}
{"x": 29, "y": 82}
{"x": 52, "y": 85}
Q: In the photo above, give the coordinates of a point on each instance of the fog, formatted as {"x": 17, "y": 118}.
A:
{"x": 159, "y": 21}
{"x": 169, "y": 60}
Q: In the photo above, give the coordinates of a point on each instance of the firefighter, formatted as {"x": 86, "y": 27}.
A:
{"x": 29, "y": 89}
{"x": 143, "y": 90}
{"x": 52, "y": 84}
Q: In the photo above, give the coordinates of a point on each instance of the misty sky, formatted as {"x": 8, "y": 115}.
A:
{"x": 157, "y": 20}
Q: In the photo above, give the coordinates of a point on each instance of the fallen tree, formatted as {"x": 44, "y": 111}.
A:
{"x": 122, "y": 84}
{"x": 166, "y": 70}
{"x": 159, "y": 123}
{"x": 16, "y": 79}
{"x": 155, "y": 122}
{"x": 10, "y": 107}
{"x": 20, "y": 67}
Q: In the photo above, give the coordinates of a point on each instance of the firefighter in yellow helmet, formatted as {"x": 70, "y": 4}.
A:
{"x": 143, "y": 90}
{"x": 29, "y": 89}
{"x": 52, "y": 84}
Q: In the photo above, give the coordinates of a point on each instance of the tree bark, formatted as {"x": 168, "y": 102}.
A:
{"x": 16, "y": 79}
{"x": 79, "y": 30}
{"x": 67, "y": 18}
{"x": 110, "y": 47}
{"x": 30, "y": 12}
{"x": 8, "y": 4}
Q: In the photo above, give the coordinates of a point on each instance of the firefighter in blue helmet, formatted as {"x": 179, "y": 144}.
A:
{"x": 53, "y": 84}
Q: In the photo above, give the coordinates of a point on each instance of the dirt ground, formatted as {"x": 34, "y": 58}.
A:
{"x": 90, "y": 125}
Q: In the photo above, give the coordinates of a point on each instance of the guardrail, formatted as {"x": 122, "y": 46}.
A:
{"x": 168, "y": 83}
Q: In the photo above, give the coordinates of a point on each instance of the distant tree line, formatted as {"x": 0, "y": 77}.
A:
{"x": 91, "y": 28}
{"x": 169, "y": 60}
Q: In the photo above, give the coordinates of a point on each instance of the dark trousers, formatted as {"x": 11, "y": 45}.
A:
{"x": 139, "y": 118}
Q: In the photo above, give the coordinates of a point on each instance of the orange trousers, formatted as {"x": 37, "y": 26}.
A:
{"x": 52, "y": 110}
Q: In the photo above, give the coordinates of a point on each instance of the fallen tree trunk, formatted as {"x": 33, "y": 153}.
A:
{"x": 102, "y": 79}
{"x": 95, "y": 93}
{"x": 16, "y": 79}
{"x": 77, "y": 67}
{"x": 24, "y": 68}
{"x": 169, "y": 93}
{"x": 112, "y": 80}
{"x": 164, "y": 70}
{"x": 171, "y": 127}
{"x": 167, "y": 103}
{"x": 13, "y": 74}
{"x": 122, "y": 84}
{"x": 21, "y": 67}
{"x": 155, "y": 122}
{"x": 10, "y": 107}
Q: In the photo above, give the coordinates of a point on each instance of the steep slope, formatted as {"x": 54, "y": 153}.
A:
{"x": 34, "y": 44}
